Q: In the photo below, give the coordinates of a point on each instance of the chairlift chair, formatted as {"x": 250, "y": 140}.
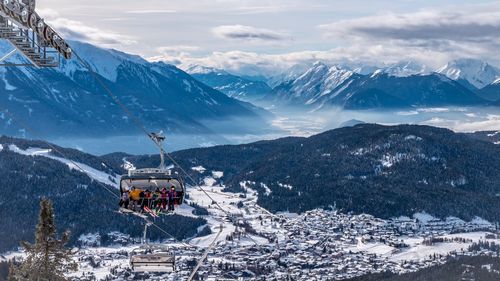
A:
{"x": 152, "y": 259}
{"x": 153, "y": 178}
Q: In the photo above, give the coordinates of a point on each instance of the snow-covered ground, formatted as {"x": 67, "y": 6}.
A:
{"x": 94, "y": 174}
{"x": 418, "y": 251}
{"x": 230, "y": 213}
{"x": 252, "y": 234}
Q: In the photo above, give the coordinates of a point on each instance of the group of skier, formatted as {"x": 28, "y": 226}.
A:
{"x": 148, "y": 200}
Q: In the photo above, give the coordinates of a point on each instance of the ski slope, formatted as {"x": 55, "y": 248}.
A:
{"x": 92, "y": 173}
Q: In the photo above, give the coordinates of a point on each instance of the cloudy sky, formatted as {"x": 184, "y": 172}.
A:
{"x": 253, "y": 36}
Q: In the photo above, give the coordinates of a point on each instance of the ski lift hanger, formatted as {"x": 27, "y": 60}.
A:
{"x": 27, "y": 32}
{"x": 152, "y": 178}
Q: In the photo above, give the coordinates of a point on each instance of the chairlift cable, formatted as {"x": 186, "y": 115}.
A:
{"x": 139, "y": 124}
{"x": 202, "y": 260}
{"x": 165, "y": 232}
{"x": 35, "y": 134}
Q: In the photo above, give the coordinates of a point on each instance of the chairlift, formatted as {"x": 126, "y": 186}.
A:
{"x": 152, "y": 259}
{"x": 154, "y": 178}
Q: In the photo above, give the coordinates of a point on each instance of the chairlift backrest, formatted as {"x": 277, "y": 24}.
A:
{"x": 152, "y": 259}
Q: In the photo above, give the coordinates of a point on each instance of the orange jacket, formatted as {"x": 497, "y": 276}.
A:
{"x": 135, "y": 194}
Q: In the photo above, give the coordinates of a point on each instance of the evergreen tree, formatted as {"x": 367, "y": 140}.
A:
{"x": 48, "y": 259}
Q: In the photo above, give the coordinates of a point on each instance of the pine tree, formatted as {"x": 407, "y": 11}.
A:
{"x": 48, "y": 259}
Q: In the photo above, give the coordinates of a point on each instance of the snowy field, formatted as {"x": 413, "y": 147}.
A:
{"x": 418, "y": 251}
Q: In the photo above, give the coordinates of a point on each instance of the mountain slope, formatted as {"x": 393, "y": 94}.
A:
{"x": 419, "y": 90}
{"x": 314, "y": 84}
{"x": 231, "y": 85}
{"x": 379, "y": 170}
{"x": 491, "y": 92}
{"x": 470, "y": 71}
{"x": 67, "y": 100}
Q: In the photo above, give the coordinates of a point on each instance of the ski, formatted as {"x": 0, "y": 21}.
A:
{"x": 150, "y": 212}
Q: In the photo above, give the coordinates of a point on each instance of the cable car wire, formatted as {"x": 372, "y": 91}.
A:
{"x": 205, "y": 255}
{"x": 35, "y": 134}
{"x": 139, "y": 124}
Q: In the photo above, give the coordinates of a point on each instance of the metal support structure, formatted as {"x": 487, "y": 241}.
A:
{"x": 145, "y": 233}
{"x": 205, "y": 255}
{"x": 158, "y": 139}
{"x": 30, "y": 35}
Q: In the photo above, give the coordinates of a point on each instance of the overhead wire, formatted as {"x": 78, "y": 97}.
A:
{"x": 139, "y": 124}
{"x": 35, "y": 134}
{"x": 142, "y": 127}
{"x": 205, "y": 255}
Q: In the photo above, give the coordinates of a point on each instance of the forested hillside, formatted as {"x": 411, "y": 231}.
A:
{"x": 82, "y": 205}
{"x": 381, "y": 170}
{"x": 385, "y": 171}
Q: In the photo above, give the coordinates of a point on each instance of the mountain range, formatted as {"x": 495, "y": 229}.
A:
{"x": 477, "y": 73}
{"x": 234, "y": 86}
{"x": 462, "y": 82}
{"x": 68, "y": 101}
{"x": 323, "y": 86}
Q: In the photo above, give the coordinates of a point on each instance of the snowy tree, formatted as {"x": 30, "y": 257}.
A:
{"x": 48, "y": 259}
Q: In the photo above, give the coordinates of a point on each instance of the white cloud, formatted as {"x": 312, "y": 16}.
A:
{"x": 249, "y": 33}
{"x": 76, "y": 30}
{"x": 177, "y": 49}
{"x": 152, "y": 12}
{"x": 253, "y": 63}
{"x": 431, "y": 37}
{"x": 445, "y": 34}
{"x": 491, "y": 122}
{"x": 424, "y": 25}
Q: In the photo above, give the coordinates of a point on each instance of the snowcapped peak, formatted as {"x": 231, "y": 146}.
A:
{"x": 405, "y": 69}
{"x": 103, "y": 61}
{"x": 376, "y": 73}
{"x": 200, "y": 69}
{"x": 365, "y": 69}
{"x": 319, "y": 64}
{"x": 476, "y": 72}
{"x": 318, "y": 81}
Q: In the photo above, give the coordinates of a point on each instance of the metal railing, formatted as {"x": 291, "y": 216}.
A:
{"x": 28, "y": 42}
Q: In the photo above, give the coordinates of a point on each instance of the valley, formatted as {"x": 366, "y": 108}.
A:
{"x": 309, "y": 233}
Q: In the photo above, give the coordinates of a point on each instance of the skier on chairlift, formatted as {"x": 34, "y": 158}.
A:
{"x": 164, "y": 198}
{"x": 172, "y": 196}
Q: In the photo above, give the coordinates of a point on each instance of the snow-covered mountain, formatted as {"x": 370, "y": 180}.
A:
{"x": 229, "y": 84}
{"x": 405, "y": 69}
{"x": 398, "y": 86}
{"x": 288, "y": 75}
{"x": 67, "y": 100}
{"x": 313, "y": 85}
{"x": 478, "y": 73}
